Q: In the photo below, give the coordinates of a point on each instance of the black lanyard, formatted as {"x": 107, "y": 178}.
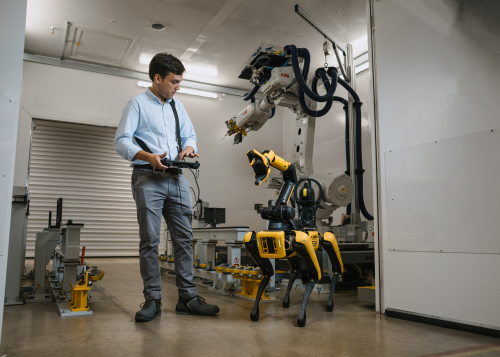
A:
{"x": 177, "y": 126}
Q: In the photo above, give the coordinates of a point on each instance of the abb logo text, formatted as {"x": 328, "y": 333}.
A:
{"x": 246, "y": 111}
{"x": 286, "y": 75}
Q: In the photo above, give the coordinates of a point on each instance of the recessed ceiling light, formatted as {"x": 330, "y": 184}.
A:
{"x": 158, "y": 27}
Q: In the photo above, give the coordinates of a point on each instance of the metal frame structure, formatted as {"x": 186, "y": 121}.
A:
{"x": 349, "y": 73}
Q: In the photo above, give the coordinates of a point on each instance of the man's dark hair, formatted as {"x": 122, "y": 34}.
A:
{"x": 163, "y": 64}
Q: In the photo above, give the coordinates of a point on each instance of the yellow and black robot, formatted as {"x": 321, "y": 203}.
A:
{"x": 296, "y": 240}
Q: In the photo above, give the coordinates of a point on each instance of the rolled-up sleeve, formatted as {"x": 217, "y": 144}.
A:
{"x": 188, "y": 136}
{"x": 124, "y": 143}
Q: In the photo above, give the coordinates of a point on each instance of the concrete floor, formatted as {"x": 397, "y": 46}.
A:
{"x": 353, "y": 329}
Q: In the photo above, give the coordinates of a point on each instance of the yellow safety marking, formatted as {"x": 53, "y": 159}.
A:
{"x": 304, "y": 192}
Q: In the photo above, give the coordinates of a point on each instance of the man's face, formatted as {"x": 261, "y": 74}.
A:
{"x": 168, "y": 85}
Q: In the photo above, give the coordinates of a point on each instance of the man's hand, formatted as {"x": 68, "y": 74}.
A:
{"x": 187, "y": 152}
{"x": 154, "y": 160}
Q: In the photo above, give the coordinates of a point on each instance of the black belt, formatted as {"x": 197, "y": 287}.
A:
{"x": 170, "y": 171}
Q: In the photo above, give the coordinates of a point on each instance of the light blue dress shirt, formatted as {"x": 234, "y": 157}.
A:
{"x": 146, "y": 118}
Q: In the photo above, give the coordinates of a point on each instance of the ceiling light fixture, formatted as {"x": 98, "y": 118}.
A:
{"x": 190, "y": 91}
{"x": 145, "y": 58}
{"x": 204, "y": 70}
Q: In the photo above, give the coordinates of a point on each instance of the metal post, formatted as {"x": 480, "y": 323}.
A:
{"x": 353, "y": 229}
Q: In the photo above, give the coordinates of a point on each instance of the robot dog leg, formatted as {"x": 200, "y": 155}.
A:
{"x": 304, "y": 247}
{"x": 265, "y": 266}
{"x": 295, "y": 267}
{"x": 332, "y": 249}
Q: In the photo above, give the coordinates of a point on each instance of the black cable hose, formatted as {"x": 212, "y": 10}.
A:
{"x": 305, "y": 72}
{"x": 359, "y": 153}
{"x": 314, "y": 86}
{"x": 359, "y": 164}
{"x": 251, "y": 95}
{"x": 313, "y": 113}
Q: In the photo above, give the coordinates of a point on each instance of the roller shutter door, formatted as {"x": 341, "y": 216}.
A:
{"x": 78, "y": 163}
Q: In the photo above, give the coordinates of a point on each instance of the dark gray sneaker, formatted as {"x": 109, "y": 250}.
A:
{"x": 149, "y": 310}
{"x": 195, "y": 306}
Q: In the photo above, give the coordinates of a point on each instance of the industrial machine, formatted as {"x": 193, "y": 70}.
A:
{"x": 294, "y": 239}
{"x": 17, "y": 245}
{"x": 277, "y": 74}
{"x": 70, "y": 282}
{"x": 281, "y": 75}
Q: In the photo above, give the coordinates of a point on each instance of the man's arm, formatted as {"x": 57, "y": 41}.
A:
{"x": 188, "y": 136}
{"x": 124, "y": 144}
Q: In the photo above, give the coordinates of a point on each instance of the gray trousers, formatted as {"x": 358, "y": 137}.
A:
{"x": 157, "y": 194}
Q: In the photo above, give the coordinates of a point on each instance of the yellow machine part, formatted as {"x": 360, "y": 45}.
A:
{"x": 264, "y": 159}
{"x": 79, "y": 293}
{"x": 249, "y": 282}
{"x": 276, "y": 161}
{"x": 249, "y": 288}
{"x": 233, "y": 128}
{"x": 98, "y": 275}
{"x": 304, "y": 238}
{"x": 202, "y": 265}
{"x": 247, "y": 237}
{"x": 314, "y": 235}
{"x": 331, "y": 238}
{"x": 271, "y": 244}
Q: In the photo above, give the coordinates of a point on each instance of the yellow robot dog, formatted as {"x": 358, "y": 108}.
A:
{"x": 295, "y": 240}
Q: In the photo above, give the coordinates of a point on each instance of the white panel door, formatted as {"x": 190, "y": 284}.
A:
{"x": 79, "y": 163}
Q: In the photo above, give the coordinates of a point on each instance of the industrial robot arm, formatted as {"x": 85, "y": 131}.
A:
{"x": 261, "y": 164}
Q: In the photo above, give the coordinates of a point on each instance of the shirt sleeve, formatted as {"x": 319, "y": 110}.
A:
{"x": 188, "y": 136}
{"x": 124, "y": 143}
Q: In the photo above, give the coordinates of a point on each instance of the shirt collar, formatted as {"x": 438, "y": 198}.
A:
{"x": 155, "y": 98}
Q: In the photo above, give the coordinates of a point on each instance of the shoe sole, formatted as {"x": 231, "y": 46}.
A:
{"x": 147, "y": 320}
{"x": 195, "y": 313}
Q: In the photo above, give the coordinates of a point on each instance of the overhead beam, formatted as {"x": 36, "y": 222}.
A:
{"x": 128, "y": 74}
{"x": 320, "y": 28}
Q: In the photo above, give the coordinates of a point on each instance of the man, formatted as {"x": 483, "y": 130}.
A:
{"x": 154, "y": 126}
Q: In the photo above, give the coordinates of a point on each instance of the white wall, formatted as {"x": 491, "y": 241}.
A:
{"x": 438, "y": 78}
{"x": 329, "y": 145}
{"x": 226, "y": 178}
{"x": 12, "y": 23}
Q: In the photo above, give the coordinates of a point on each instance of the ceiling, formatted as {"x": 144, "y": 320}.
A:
{"x": 214, "y": 38}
